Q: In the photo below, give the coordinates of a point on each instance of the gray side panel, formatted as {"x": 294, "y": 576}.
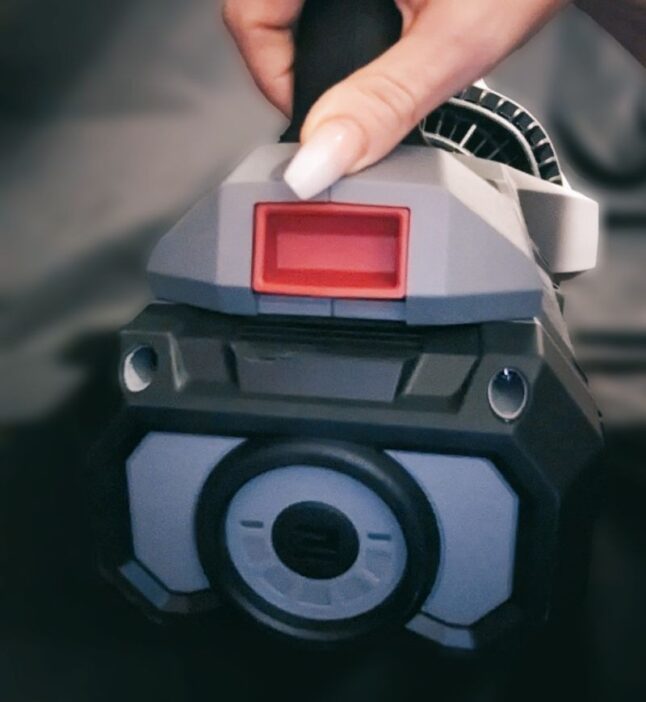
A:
{"x": 182, "y": 265}
{"x": 205, "y": 260}
{"x": 469, "y": 309}
{"x": 563, "y": 223}
{"x": 477, "y": 514}
{"x": 166, "y": 473}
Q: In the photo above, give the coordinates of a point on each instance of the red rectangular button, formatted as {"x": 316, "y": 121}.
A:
{"x": 330, "y": 250}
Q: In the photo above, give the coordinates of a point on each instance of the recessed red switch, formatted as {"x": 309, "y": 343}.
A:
{"x": 330, "y": 250}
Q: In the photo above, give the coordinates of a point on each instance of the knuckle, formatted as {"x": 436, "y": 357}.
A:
{"x": 392, "y": 98}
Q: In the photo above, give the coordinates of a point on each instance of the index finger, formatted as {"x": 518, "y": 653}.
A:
{"x": 263, "y": 33}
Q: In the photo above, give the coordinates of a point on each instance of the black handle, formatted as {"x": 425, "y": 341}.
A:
{"x": 333, "y": 39}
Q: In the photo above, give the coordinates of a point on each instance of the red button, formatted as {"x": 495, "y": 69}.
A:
{"x": 330, "y": 250}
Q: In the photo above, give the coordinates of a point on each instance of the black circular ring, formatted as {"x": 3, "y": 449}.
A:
{"x": 379, "y": 472}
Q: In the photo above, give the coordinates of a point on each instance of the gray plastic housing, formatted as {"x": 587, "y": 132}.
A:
{"x": 470, "y": 258}
{"x": 476, "y": 509}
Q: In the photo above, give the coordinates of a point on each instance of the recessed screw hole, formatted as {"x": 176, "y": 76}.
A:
{"x": 507, "y": 394}
{"x": 139, "y": 367}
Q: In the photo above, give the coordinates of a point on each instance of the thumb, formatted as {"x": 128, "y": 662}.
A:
{"x": 446, "y": 45}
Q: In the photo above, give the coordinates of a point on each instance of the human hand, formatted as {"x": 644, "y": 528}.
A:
{"x": 445, "y": 45}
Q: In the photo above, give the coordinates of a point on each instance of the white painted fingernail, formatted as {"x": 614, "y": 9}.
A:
{"x": 327, "y": 155}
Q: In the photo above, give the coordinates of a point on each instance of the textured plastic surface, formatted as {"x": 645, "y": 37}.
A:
{"x": 330, "y": 250}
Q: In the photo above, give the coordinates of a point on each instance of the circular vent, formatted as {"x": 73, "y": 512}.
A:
{"x": 488, "y": 125}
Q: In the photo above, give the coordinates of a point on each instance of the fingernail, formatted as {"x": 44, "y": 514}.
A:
{"x": 324, "y": 157}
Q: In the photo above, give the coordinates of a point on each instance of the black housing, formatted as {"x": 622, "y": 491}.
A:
{"x": 374, "y": 384}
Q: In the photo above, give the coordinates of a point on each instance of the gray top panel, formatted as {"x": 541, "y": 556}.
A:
{"x": 470, "y": 256}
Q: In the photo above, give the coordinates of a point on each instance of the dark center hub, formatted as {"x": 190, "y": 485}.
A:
{"x": 315, "y": 540}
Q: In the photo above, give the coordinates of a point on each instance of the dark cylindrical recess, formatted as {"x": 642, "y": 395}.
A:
{"x": 316, "y": 540}
{"x": 333, "y": 39}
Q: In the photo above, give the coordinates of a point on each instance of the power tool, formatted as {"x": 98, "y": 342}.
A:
{"x": 362, "y": 411}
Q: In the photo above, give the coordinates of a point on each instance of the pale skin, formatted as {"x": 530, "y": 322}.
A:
{"x": 445, "y": 45}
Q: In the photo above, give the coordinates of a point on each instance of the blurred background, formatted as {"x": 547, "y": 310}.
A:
{"x": 115, "y": 116}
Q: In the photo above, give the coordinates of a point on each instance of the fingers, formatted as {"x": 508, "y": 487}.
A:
{"x": 446, "y": 45}
{"x": 262, "y": 30}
